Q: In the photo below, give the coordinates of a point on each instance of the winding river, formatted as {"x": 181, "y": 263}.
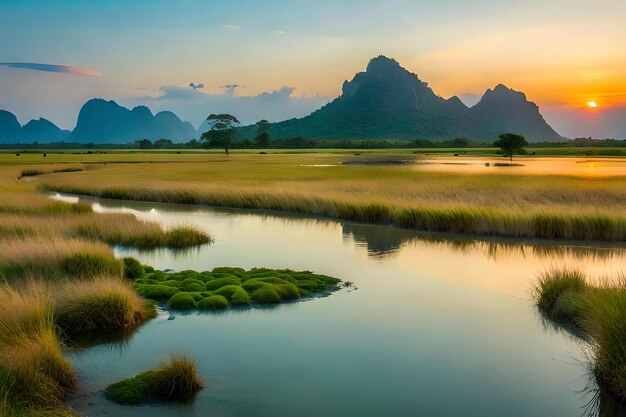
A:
{"x": 435, "y": 326}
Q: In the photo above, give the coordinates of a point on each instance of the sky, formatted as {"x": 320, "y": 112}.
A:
{"x": 281, "y": 59}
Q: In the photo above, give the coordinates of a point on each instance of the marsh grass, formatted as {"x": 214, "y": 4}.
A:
{"x": 59, "y": 278}
{"x": 556, "y": 220}
{"x": 101, "y": 304}
{"x": 55, "y": 259}
{"x": 34, "y": 172}
{"x": 508, "y": 204}
{"x": 175, "y": 380}
{"x": 34, "y": 376}
{"x": 597, "y": 313}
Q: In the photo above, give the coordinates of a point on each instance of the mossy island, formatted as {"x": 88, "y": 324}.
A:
{"x": 175, "y": 380}
{"x": 228, "y": 287}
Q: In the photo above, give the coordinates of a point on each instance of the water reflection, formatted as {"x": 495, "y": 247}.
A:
{"x": 383, "y": 241}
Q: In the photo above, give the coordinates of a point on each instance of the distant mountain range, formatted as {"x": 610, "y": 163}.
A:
{"x": 384, "y": 102}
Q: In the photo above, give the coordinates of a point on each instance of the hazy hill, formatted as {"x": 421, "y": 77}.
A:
{"x": 102, "y": 121}
{"x": 35, "y": 130}
{"x": 387, "y": 101}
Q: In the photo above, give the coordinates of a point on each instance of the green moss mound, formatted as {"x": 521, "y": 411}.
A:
{"x": 182, "y": 301}
{"x": 173, "y": 381}
{"x": 214, "y": 302}
{"x": 225, "y": 287}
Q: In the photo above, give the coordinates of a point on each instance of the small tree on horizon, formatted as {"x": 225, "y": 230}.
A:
{"x": 222, "y": 131}
{"x": 262, "y": 138}
{"x": 511, "y": 143}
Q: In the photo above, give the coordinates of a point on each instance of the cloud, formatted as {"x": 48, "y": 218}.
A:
{"x": 195, "y": 105}
{"x": 231, "y": 27}
{"x": 278, "y": 32}
{"x": 63, "y": 69}
{"x": 229, "y": 89}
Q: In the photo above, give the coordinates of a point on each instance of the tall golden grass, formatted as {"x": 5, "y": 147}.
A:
{"x": 596, "y": 312}
{"x": 58, "y": 275}
{"x": 541, "y": 206}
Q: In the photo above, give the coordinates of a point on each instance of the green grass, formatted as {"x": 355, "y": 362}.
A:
{"x": 595, "y": 312}
{"x": 225, "y": 287}
{"x": 175, "y": 380}
{"x": 133, "y": 269}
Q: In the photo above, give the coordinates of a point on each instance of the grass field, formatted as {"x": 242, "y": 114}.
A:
{"x": 559, "y": 200}
{"x": 57, "y": 264}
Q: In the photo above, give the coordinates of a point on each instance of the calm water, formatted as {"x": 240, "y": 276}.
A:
{"x": 435, "y": 328}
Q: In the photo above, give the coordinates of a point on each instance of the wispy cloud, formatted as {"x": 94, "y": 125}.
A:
{"x": 278, "y": 32}
{"x": 231, "y": 27}
{"x": 64, "y": 69}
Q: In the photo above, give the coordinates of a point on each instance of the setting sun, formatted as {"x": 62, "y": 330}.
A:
{"x": 592, "y": 104}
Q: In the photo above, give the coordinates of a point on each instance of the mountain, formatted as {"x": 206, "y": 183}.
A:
{"x": 505, "y": 110}
{"x": 10, "y": 128}
{"x": 43, "y": 130}
{"x": 36, "y": 130}
{"x": 387, "y": 101}
{"x": 102, "y": 121}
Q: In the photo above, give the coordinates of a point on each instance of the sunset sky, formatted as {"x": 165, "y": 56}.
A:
{"x": 56, "y": 54}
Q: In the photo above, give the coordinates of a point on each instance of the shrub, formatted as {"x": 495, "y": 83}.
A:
{"x": 213, "y": 302}
{"x": 182, "y": 301}
{"x": 175, "y": 380}
{"x": 132, "y": 268}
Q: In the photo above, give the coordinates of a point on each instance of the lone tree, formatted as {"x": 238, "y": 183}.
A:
{"x": 511, "y": 143}
{"x": 222, "y": 131}
{"x": 262, "y": 138}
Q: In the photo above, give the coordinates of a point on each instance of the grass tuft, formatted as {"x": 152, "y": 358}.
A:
{"x": 98, "y": 305}
{"x": 598, "y": 314}
{"x": 175, "y": 380}
{"x": 133, "y": 269}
